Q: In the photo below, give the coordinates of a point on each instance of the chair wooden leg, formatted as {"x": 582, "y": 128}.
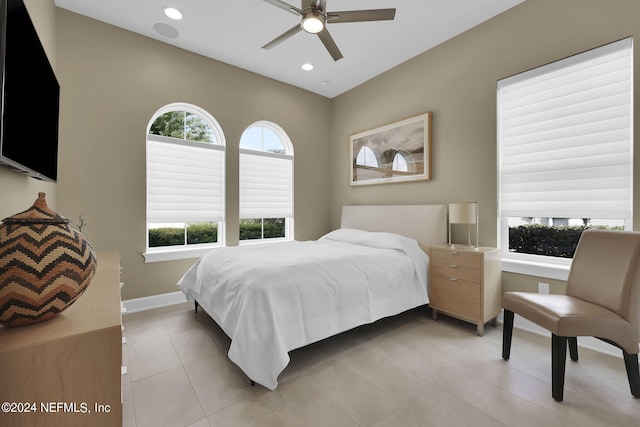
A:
{"x": 631, "y": 363}
{"x": 558, "y": 359}
{"x": 507, "y": 333}
{"x": 573, "y": 348}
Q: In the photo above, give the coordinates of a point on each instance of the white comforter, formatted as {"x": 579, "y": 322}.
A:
{"x": 276, "y": 297}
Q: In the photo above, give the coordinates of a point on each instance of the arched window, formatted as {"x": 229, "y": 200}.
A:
{"x": 400, "y": 163}
{"x": 370, "y": 164}
{"x": 185, "y": 182}
{"x": 266, "y": 183}
{"x": 366, "y": 157}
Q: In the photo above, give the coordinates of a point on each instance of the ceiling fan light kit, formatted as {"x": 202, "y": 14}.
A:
{"x": 314, "y": 20}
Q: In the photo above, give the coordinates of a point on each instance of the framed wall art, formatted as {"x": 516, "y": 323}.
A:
{"x": 396, "y": 152}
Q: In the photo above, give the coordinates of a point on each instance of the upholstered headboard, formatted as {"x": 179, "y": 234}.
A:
{"x": 425, "y": 223}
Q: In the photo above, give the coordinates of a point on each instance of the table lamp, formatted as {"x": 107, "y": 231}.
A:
{"x": 464, "y": 213}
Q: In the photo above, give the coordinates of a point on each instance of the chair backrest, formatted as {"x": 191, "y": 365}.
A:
{"x": 604, "y": 272}
{"x": 634, "y": 302}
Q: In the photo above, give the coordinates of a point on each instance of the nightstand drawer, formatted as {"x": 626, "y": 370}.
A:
{"x": 457, "y": 271}
{"x": 452, "y": 257}
{"x": 455, "y": 296}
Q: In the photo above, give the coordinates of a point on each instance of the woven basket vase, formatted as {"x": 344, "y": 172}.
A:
{"x": 45, "y": 265}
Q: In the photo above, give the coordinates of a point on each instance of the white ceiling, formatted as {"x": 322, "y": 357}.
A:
{"x": 234, "y": 31}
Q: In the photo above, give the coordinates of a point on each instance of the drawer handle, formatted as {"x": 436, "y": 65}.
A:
{"x": 453, "y": 253}
{"x": 453, "y": 279}
{"x": 453, "y": 265}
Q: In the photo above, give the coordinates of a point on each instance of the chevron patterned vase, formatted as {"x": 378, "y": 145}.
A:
{"x": 45, "y": 265}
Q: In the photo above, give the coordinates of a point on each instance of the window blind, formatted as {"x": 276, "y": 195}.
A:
{"x": 185, "y": 181}
{"x": 565, "y": 137}
{"x": 266, "y": 185}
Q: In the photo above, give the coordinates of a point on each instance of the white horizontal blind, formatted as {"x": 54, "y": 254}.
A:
{"x": 266, "y": 185}
{"x": 565, "y": 137}
{"x": 185, "y": 181}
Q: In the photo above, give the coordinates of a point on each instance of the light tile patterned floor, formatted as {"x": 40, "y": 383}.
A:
{"x": 403, "y": 371}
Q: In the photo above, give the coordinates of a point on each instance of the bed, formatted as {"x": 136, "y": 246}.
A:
{"x": 272, "y": 298}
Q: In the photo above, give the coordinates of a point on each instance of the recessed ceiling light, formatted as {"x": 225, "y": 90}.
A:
{"x": 307, "y": 67}
{"x": 173, "y": 13}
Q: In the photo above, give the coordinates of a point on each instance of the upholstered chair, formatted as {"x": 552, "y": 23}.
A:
{"x": 602, "y": 300}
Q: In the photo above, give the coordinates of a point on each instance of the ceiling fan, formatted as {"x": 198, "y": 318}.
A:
{"x": 315, "y": 19}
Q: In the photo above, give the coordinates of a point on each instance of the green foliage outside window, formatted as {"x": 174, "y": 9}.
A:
{"x": 556, "y": 241}
{"x": 171, "y": 236}
{"x": 182, "y": 125}
{"x": 251, "y": 229}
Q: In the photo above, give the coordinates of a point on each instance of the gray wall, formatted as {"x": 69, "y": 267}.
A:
{"x": 113, "y": 81}
{"x": 457, "y": 82}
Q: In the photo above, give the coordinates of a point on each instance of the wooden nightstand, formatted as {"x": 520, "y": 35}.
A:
{"x": 466, "y": 283}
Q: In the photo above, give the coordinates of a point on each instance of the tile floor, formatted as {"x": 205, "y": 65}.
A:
{"x": 403, "y": 371}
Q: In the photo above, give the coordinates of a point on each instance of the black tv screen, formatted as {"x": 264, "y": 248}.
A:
{"x": 30, "y": 97}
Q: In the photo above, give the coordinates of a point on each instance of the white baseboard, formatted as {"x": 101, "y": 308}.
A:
{"x": 154, "y": 301}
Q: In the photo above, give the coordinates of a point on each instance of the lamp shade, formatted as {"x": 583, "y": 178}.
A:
{"x": 463, "y": 213}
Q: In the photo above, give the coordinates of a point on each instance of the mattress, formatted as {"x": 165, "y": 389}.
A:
{"x": 272, "y": 298}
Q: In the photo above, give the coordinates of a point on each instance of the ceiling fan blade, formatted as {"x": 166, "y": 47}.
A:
{"x": 331, "y": 45}
{"x": 361, "y": 15}
{"x": 285, "y": 6}
{"x": 273, "y": 43}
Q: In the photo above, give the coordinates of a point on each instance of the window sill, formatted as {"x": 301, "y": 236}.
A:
{"x": 538, "y": 269}
{"x": 176, "y": 254}
{"x": 172, "y": 254}
{"x": 250, "y": 242}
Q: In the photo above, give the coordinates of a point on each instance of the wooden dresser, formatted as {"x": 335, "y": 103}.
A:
{"x": 466, "y": 283}
{"x": 66, "y": 371}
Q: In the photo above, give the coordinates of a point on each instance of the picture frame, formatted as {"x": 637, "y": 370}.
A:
{"x": 397, "y": 152}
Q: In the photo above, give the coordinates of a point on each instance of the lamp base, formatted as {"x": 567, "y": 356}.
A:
{"x": 460, "y": 246}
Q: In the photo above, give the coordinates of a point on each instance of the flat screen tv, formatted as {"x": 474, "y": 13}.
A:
{"x": 30, "y": 97}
